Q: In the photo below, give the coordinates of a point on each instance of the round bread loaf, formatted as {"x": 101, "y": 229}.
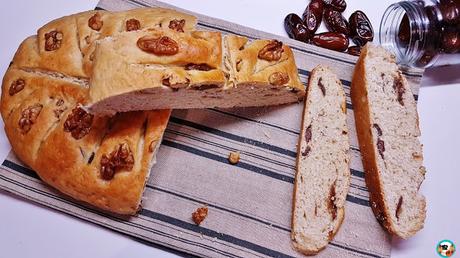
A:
{"x": 99, "y": 160}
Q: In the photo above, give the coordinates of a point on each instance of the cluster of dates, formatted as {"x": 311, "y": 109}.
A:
{"x": 357, "y": 27}
{"x": 443, "y": 30}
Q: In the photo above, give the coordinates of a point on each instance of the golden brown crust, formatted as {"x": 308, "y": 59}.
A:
{"x": 54, "y": 96}
{"x": 38, "y": 100}
{"x": 67, "y": 58}
{"x": 365, "y": 135}
{"x": 248, "y": 67}
{"x": 82, "y": 179}
{"x": 365, "y": 138}
{"x": 73, "y": 54}
{"x": 144, "y": 70}
{"x": 136, "y": 70}
{"x": 201, "y": 47}
{"x": 117, "y": 22}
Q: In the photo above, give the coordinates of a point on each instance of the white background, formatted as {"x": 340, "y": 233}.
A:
{"x": 28, "y": 230}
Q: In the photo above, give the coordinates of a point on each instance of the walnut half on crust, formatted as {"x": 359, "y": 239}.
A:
{"x": 16, "y": 86}
{"x": 162, "y": 46}
{"x": 177, "y": 25}
{"x": 120, "y": 158}
{"x": 95, "y": 22}
{"x": 29, "y": 117}
{"x": 272, "y": 51}
{"x": 53, "y": 40}
{"x": 132, "y": 24}
{"x": 78, "y": 123}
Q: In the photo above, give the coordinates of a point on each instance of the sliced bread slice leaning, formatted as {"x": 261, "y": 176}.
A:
{"x": 388, "y": 133}
{"x": 323, "y": 172}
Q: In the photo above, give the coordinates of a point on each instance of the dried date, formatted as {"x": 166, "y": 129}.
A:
{"x": 331, "y": 40}
{"x": 450, "y": 41}
{"x": 450, "y": 12}
{"x": 308, "y": 136}
{"x": 321, "y": 86}
{"x": 199, "y": 67}
{"x": 381, "y": 147}
{"x": 338, "y": 5}
{"x": 404, "y": 31}
{"x": 398, "y": 207}
{"x": 335, "y": 22}
{"x": 313, "y": 15}
{"x": 295, "y": 28}
{"x": 361, "y": 30}
{"x": 378, "y": 129}
{"x": 398, "y": 86}
{"x": 331, "y": 206}
{"x": 204, "y": 87}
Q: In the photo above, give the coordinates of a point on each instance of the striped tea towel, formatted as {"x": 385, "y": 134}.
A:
{"x": 249, "y": 203}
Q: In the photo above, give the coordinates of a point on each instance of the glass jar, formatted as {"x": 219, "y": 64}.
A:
{"x": 422, "y": 33}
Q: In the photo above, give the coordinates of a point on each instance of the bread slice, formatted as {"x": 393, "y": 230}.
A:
{"x": 323, "y": 173}
{"x": 388, "y": 133}
{"x": 127, "y": 78}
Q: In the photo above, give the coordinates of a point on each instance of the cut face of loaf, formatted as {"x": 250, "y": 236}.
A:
{"x": 323, "y": 173}
{"x": 158, "y": 69}
{"x": 388, "y": 133}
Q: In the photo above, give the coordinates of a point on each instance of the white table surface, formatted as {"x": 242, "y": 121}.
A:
{"x": 29, "y": 230}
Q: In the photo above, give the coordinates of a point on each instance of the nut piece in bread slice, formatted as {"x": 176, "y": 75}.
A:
{"x": 158, "y": 69}
{"x": 388, "y": 133}
{"x": 323, "y": 173}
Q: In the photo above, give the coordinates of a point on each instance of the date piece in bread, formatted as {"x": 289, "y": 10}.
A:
{"x": 323, "y": 173}
{"x": 388, "y": 133}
